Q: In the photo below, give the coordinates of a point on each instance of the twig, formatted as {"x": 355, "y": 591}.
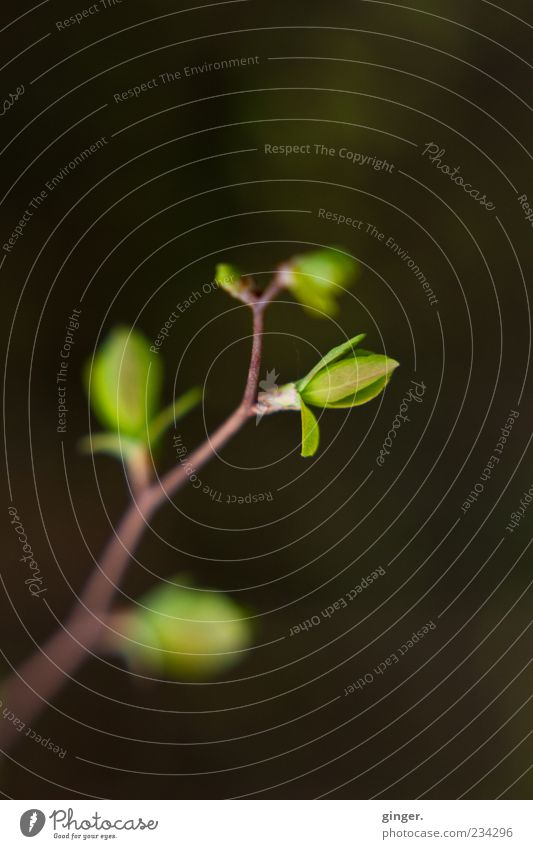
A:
{"x": 39, "y": 680}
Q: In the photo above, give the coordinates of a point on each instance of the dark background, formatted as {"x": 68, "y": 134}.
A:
{"x": 144, "y": 222}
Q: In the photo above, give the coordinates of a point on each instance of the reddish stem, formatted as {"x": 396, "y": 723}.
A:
{"x": 31, "y": 688}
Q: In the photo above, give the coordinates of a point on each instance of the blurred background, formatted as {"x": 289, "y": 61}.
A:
{"x": 182, "y": 183}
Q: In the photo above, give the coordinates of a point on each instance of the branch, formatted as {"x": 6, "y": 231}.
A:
{"x": 41, "y": 678}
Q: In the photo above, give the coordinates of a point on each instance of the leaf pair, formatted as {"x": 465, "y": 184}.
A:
{"x": 336, "y": 382}
{"x": 316, "y": 279}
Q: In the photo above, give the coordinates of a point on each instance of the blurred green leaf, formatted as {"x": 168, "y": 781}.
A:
{"x": 121, "y": 447}
{"x": 184, "y": 633}
{"x": 319, "y": 278}
{"x": 230, "y": 279}
{"x": 125, "y": 383}
{"x": 226, "y": 274}
{"x": 173, "y": 413}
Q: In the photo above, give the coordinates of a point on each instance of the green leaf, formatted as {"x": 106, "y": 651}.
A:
{"x": 230, "y": 279}
{"x": 318, "y": 279}
{"x": 310, "y": 432}
{"x": 363, "y": 396}
{"x": 329, "y": 358}
{"x": 173, "y": 413}
{"x": 227, "y": 275}
{"x": 186, "y": 633}
{"x": 342, "y": 383}
{"x": 121, "y": 447}
{"x": 125, "y": 382}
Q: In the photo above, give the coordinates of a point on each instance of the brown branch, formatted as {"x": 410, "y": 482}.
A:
{"x": 40, "y": 679}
